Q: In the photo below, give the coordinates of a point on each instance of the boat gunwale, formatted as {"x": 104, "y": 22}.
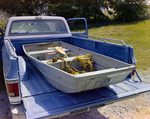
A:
{"x": 87, "y": 74}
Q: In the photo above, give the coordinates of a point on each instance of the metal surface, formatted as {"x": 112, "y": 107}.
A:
{"x": 138, "y": 76}
{"x": 1, "y": 39}
{"x": 86, "y": 27}
{"x": 36, "y": 83}
{"x": 51, "y": 103}
{"x": 12, "y": 19}
{"x": 113, "y": 71}
{"x": 40, "y": 99}
{"x": 105, "y": 39}
{"x": 120, "y": 52}
{"x": 10, "y": 68}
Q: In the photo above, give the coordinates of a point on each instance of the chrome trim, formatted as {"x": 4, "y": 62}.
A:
{"x": 11, "y": 81}
{"x": 14, "y": 103}
{"x": 105, "y": 39}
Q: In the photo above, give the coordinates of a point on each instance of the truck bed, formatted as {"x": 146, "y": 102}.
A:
{"x": 41, "y": 100}
{"x": 27, "y": 85}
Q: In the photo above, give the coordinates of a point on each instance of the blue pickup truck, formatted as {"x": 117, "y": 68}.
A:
{"x": 29, "y": 92}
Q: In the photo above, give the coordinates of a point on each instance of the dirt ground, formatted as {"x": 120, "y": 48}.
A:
{"x": 4, "y": 106}
{"x": 135, "y": 108}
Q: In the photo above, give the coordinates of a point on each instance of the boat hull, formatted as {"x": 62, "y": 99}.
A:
{"x": 107, "y": 70}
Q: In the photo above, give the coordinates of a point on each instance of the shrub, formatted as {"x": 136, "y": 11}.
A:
{"x": 130, "y": 10}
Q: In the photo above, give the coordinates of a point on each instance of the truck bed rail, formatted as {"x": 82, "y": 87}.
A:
{"x": 105, "y": 39}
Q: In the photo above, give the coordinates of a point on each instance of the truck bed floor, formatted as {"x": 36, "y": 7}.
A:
{"x": 42, "y": 100}
{"x": 36, "y": 84}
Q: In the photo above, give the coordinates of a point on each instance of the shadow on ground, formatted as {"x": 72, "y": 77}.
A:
{"x": 93, "y": 114}
{"x": 5, "y": 106}
{"x": 2, "y": 83}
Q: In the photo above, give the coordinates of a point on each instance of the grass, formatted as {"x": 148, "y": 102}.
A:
{"x": 135, "y": 34}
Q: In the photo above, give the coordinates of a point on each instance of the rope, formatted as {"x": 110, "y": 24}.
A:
{"x": 85, "y": 61}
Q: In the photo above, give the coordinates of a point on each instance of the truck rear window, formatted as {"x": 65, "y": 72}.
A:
{"x": 37, "y": 27}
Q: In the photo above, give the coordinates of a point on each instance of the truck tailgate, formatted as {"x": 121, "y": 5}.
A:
{"x": 41, "y": 100}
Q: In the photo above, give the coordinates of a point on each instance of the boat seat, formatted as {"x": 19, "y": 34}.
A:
{"x": 46, "y": 51}
{"x": 67, "y": 59}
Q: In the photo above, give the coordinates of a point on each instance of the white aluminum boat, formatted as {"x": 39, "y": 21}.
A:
{"x": 107, "y": 70}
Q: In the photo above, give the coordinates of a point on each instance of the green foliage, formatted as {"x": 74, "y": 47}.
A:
{"x": 22, "y": 7}
{"x": 96, "y": 11}
{"x": 64, "y": 9}
{"x": 129, "y": 10}
{"x": 89, "y": 9}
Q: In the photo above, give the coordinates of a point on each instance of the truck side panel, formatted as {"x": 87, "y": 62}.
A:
{"x": 119, "y": 52}
{"x": 10, "y": 70}
{"x": 10, "y": 62}
{"x": 1, "y": 42}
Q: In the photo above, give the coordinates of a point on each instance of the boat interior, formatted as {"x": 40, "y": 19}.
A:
{"x": 46, "y": 51}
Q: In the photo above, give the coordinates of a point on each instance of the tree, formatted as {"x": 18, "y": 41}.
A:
{"x": 22, "y": 7}
{"x": 65, "y": 8}
{"x": 89, "y": 9}
{"x": 129, "y": 10}
{"x": 124, "y": 10}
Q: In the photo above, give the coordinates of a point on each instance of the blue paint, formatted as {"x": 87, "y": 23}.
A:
{"x": 10, "y": 67}
{"x": 56, "y": 102}
{"x": 86, "y": 27}
{"x": 119, "y": 52}
{"x": 1, "y": 38}
{"x": 41, "y": 100}
{"x": 1, "y": 42}
{"x": 112, "y": 50}
{"x": 45, "y": 101}
{"x": 138, "y": 76}
{"x": 18, "y": 43}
